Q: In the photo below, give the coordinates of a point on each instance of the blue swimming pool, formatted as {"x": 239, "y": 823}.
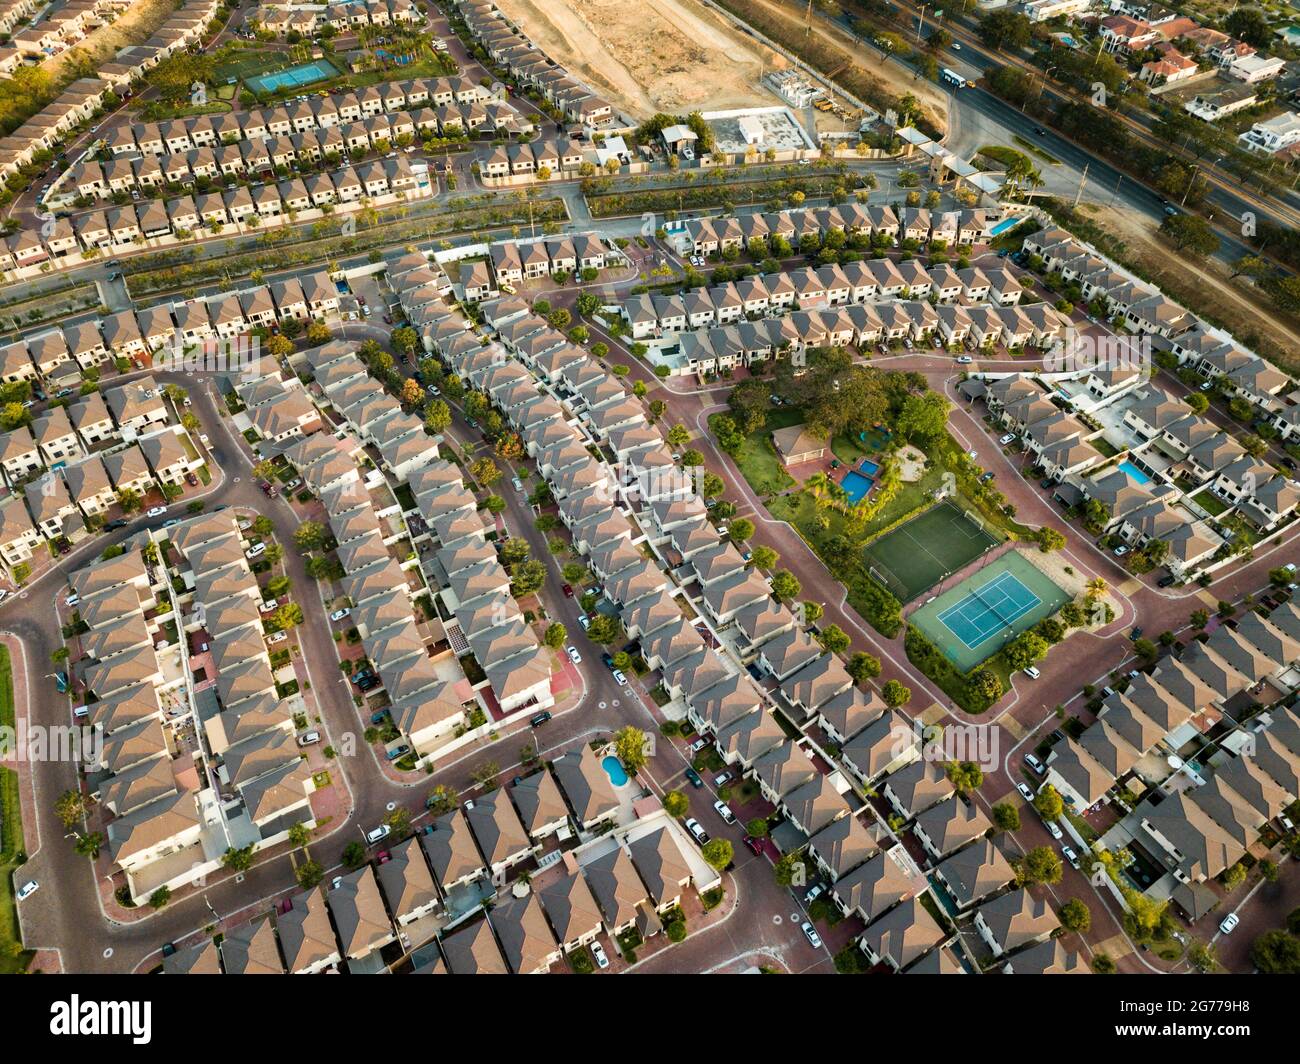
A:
{"x": 1134, "y": 473}
{"x": 868, "y": 467}
{"x": 614, "y": 770}
{"x": 855, "y": 485}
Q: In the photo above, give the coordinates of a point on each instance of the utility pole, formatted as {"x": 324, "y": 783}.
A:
{"x": 1190, "y": 179}
{"x": 1083, "y": 180}
{"x": 920, "y": 22}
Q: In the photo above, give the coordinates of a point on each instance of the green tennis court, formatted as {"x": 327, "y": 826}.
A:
{"x": 917, "y": 555}
{"x": 977, "y": 618}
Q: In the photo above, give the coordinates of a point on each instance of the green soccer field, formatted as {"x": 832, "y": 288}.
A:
{"x": 917, "y": 555}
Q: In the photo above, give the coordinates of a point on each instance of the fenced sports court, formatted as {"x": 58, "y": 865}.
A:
{"x": 306, "y": 74}
{"x": 917, "y": 555}
{"x": 978, "y": 617}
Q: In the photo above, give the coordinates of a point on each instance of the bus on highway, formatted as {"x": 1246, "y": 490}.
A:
{"x": 951, "y": 77}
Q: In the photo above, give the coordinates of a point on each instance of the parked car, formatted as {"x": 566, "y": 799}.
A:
{"x": 1032, "y": 672}
{"x": 338, "y": 615}
{"x": 697, "y": 831}
{"x": 722, "y": 779}
{"x": 191, "y": 480}
{"x": 755, "y": 845}
{"x": 255, "y": 550}
{"x": 378, "y": 833}
{"x": 27, "y": 889}
{"x": 1165, "y": 581}
{"x": 1229, "y": 922}
{"x": 724, "y": 811}
{"x": 619, "y": 678}
{"x": 1052, "y": 828}
{"x": 1010, "y": 437}
{"x": 964, "y": 360}
{"x": 567, "y": 589}
{"x": 539, "y": 719}
{"x": 269, "y": 606}
{"x": 1025, "y": 792}
{"x": 1035, "y": 764}
{"x": 574, "y": 656}
{"x": 155, "y": 511}
{"x": 398, "y": 751}
{"x": 810, "y": 933}
{"x": 276, "y": 637}
{"x": 1121, "y": 550}
{"x": 698, "y": 745}
{"x": 517, "y": 484}
{"x": 1070, "y": 855}
{"x": 113, "y": 526}
{"x": 694, "y": 777}
{"x": 598, "y": 951}
{"x": 308, "y": 738}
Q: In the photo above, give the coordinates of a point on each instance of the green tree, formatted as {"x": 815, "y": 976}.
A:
{"x": 718, "y": 853}
{"x": 310, "y": 535}
{"x": 785, "y": 586}
{"x": 966, "y": 776}
{"x": 555, "y": 635}
{"x": 630, "y": 746}
{"x": 895, "y": 694}
{"x": 1040, "y": 865}
{"x": 1048, "y": 803}
{"x": 309, "y": 874}
{"x": 354, "y": 855}
{"x": 741, "y": 529}
{"x": 764, "y": 557}
{"x": 676, "y": 804}
{"x": 835, "y": 639}
{"x": 237, "y": 860}
{"x": 1075, "y": 916}
{"x": 160, "y": 897}
{"x": 1006, "y": 817}
{"x": 863, "y": 666}
{"x": 604, "y": 629}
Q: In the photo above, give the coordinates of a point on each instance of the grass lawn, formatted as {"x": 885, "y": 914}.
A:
{"x": 11, "y": 840}
{"x": 850, "y": 450}
{"x": 1210, "y": 503}
{"x": 758, "y": 460}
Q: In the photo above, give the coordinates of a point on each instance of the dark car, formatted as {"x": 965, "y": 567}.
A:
{"x": 567, "y": 589}
{"x": 168, "y": 949}
{"x": 694, "y": 777}
{"x": 113, "y": 526}
{"x": 191, "y": 480}
{"x": 1047, "y": 482}
{"x": 265, "y": 485}
{"x": 1165, "y": 581}
{"x": 539, "y": 719}
{"x": 378, "y": 718}
{"x": 1136, "y": 634}
{"x": 755, "y": 845}
{"x": 1290, "y": 463}
{"x": 398, "y": 751}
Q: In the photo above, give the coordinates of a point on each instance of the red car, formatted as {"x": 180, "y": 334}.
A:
{"x": 265, "y": 485}
{"x": 568, "y": 591}
{"x": 191, "y": 480}
{"x": 755, "y": 845}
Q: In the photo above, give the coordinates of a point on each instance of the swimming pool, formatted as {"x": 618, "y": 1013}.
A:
{"x": 1134, "y": 473}
{"x": 868, "y": 467}
{"x": 855, "y": 485}
{"x": 614, "y": 770}
{"x": 293, "y": 77}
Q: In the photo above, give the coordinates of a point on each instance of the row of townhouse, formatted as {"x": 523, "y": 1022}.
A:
{"x": 273, "y": 203}
{"x": 248, "y": 755}
{"x": 86, "y": 96}
{"x": 1243, "y": 374}
{"x": 68, "y": 478}
{"x": 1194, "y": 821}
{"x": 704, "y": 236}
{"x": 59, "y": 356}
{"x": 247, "y": 160}
{"x": 429, "y": 701}
{"x": 557, "y": 156}
{"x": 514, "y": 262}
{"x": 443, "y": 99}
{"x": 308, "y": 21}
{"x": 509, "y": 48}
{"x": 864, "y": 281}
{"x": 741, "y": 344}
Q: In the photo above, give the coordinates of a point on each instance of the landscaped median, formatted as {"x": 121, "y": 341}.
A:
{"x": 13, "y": 958}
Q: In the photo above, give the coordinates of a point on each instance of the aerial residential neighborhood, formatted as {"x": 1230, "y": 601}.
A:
{"x": 684, "y": 487}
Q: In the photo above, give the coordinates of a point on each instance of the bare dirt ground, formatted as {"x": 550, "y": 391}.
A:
{"x": 1205, "y": 287}
{"x": 137, "y": 23}
{"x": 650, "y": 55}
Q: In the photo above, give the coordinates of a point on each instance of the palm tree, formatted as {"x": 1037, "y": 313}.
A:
{"x": 817, "y": 485}
{"x": 1097, "y": 586}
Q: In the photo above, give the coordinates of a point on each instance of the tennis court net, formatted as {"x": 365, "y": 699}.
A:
{"x": 977, "y": 593}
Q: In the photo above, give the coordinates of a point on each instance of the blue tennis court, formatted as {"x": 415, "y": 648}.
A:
{"x": 988, "y": 609}
{"x": 306, "y": 74}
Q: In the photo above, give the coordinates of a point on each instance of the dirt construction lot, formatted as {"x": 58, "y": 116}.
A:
{"x": 650, "y": 55}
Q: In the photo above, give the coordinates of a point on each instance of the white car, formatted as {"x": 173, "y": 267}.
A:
{"x": 697, "y": 831}
{"x": 308, "y": 738}
{"x": 269, "y": 606}
{"x": 29, "y": 888}
{"x": 698, "y": 745}
{"x": 1120, "y": 551}
{"x": 338, "y": 615}
{"x": 972, "y": 453}
{"x": 1070, "y": 855}
{"x": 155, "y": 511}
{"x": 1035, "y": 764}
{"x": 964, "y": 360}
{"x": 810, "y": 933}
{"x": 1010, "y": 437}
{"x": 1053, "y": 829}
{"x": 584, "y": 620}
{"x": 598, "y": 951}
{"x": 518, "y": 485}
{"x": 276, "y": 637}
{"x": 255, "y": 550}
{"x": 574, "y": 656}
{"x": 378, "y": 833}
{"x": 724, "y": 811}
{"x": 1025, "y": 792}
{"x": 1032, "y": 672}
{"x": 1225, "y": 925}
{"x": 619, "y": 678}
